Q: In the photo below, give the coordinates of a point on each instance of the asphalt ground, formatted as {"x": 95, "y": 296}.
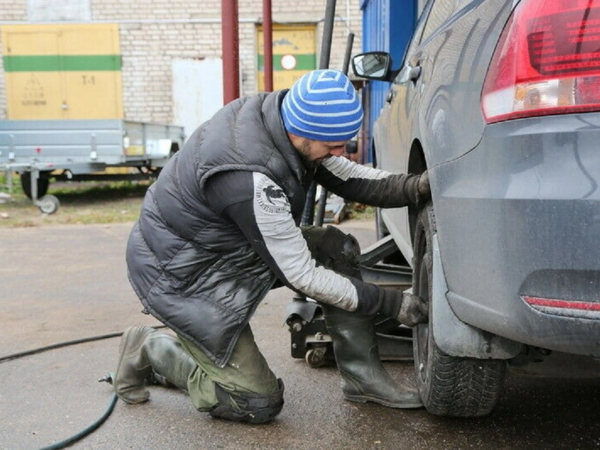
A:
{"x": 66, "y": 283}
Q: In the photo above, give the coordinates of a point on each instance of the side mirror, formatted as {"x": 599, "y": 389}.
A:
{"x": 372, "y": 65}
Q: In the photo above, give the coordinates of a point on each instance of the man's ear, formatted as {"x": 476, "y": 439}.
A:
{"x": 296, "y": 140}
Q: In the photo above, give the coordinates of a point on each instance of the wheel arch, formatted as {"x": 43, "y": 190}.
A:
{"x": 417, "y": 164}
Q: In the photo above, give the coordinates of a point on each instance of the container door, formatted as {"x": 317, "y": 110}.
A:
{"x": 91, "y": 72}
{"x": 63, "y": 71}
{"x": 294, "y": 54}
{"x": 33, "y": 81}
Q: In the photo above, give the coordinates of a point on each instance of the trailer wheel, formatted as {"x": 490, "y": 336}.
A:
{"x": 449, "y": 385}
{"x": 43, "y": 183}
{"x": 48, "y": 204}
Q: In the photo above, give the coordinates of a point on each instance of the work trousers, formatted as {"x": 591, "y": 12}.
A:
{"x": 247, "y": 369}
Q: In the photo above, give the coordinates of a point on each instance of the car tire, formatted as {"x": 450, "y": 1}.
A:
{"x": 448, "y": 385}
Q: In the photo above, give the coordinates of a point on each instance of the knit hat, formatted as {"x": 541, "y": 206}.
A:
{"x": 322, "y": 106}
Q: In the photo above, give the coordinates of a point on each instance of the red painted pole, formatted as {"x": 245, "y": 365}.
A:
{"x": 231, "y": 50}
{"x": 268, "y": 45}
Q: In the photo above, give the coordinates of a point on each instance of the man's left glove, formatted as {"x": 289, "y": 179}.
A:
{"x": 405, "y": 307}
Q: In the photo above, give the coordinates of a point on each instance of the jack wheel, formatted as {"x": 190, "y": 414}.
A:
{"x": 48, "y": 204}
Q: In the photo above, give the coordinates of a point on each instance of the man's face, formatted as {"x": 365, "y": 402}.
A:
{"x": 315, "y": 152}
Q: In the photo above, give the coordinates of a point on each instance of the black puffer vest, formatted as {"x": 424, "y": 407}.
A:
{"x": 193, "y": 269}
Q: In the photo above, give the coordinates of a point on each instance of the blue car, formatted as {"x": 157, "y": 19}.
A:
{"x": 499, "y": 101}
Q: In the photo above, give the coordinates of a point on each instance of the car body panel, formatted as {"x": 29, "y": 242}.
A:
{"x": 454, "y": 336}
{"x": 516, "y": 203}
{"x": 520, "y": 214}
{"x": 451, "y": 87}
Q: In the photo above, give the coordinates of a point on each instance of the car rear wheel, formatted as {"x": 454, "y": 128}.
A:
{"x": 449, "y": 385}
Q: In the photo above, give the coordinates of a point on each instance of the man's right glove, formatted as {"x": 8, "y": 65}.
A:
{"x": 417, "y": 188}
{"x": 405, "y": 307}
{"x": 423, "y": 188}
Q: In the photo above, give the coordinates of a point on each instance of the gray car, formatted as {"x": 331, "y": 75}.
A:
{"x": 499, "y": 100}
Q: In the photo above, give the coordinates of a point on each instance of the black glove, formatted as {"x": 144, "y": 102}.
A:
{"x": 417, "y": 189}
{"x": 405, "y": 307}
{"x": 423, "y": 189}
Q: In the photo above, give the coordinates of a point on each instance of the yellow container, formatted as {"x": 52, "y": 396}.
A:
{"x": 294, "y": 54}
{"x": 68, "y": 71}
{"x": 135, "y": 150}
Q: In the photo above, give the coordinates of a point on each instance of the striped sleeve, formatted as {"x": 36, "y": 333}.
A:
{"x": 366, "y": 185}
{"x": 289, "y": 251}
{"x": 261, "y": 210}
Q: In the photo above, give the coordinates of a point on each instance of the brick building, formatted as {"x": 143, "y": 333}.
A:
{"x": 159, "y": 40}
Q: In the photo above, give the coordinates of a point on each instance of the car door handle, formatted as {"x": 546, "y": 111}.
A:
{"x": 414, "y": 73}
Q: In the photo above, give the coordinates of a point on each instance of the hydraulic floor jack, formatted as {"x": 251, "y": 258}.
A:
{"x": 309, "y": 337}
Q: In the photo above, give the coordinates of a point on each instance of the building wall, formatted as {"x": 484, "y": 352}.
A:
{"x": 154, "y": 33}
{"x": 10, "y": 11}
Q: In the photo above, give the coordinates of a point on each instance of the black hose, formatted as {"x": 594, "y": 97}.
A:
{"x": 83, "y": 433}
{"x": 59, "y": 345}
{"x": 113, "y": 401}
{"x": 65, "y": 344}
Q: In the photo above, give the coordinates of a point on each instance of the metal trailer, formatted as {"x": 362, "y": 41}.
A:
{"x": 82, "y": 150}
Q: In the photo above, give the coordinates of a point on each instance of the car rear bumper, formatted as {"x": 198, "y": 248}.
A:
{"x": 518, "y": 221}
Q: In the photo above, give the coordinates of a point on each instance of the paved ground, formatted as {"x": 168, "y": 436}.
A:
{"x": 64, "y": 283}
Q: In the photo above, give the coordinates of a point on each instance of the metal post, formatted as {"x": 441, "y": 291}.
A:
{"x": 9, "y": 180}
{"x": 327, "y": 35}
{"x": 35, "y": 175}
{"x": 309, "y": 207}
{"x": 267, "y": 46}
{"x": 349, "y": 43}
{"x": 231, "y": 50}
{"x": 323, "y": 197}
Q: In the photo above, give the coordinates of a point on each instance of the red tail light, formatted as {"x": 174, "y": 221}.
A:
{"x": 547, "y": 61}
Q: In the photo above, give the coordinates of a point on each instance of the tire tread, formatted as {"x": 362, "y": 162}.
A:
{"x": 451, "y": 386}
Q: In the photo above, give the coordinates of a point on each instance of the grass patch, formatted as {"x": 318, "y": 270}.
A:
{"x": 80, "y": 203}
{"x": 97, "y": 202}
{"x": 359, "y": 211}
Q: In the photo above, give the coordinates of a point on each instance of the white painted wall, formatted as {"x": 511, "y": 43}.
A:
{"x": 197, "y": 91}
{"x": 58, "y": 10}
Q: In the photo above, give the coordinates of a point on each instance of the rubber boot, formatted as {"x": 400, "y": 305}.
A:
{"x": 146, "y": 356}
{"x": 364, "y": 379}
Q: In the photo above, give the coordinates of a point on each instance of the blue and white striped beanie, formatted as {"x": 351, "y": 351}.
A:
{"x": 323, "y": 106}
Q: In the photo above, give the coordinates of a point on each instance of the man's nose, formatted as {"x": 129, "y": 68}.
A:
{"x": 338, "y": 151}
